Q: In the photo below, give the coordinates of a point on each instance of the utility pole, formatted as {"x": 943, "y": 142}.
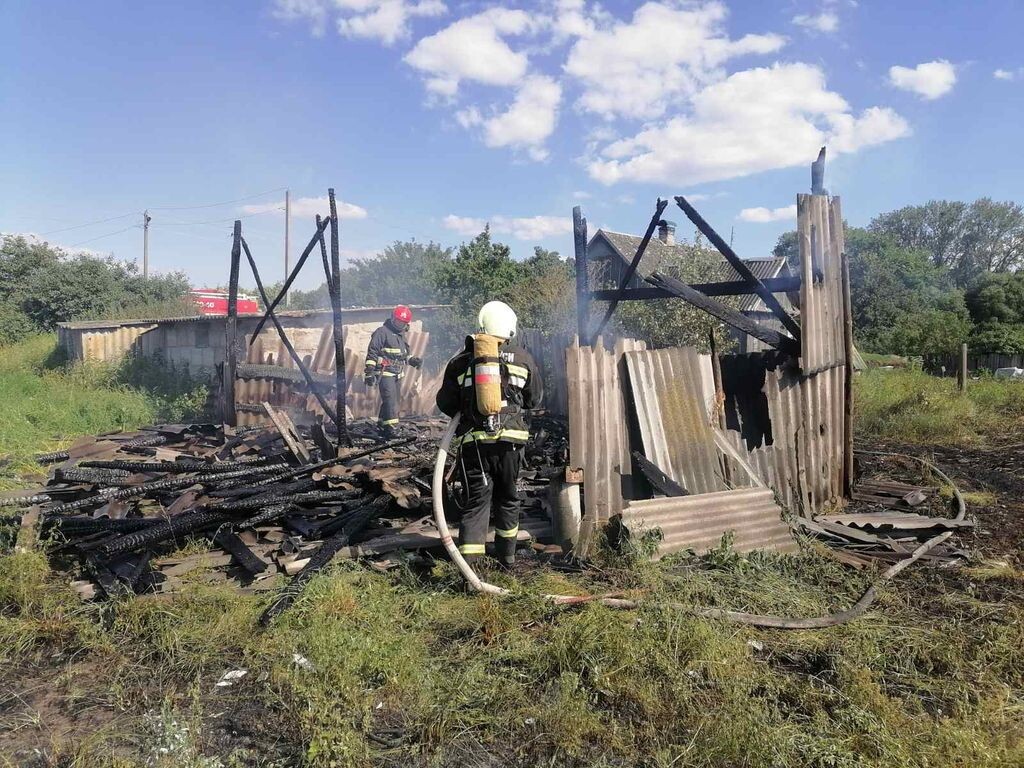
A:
{"x": 287, "y": 223}
{"x": 145, "y": 243}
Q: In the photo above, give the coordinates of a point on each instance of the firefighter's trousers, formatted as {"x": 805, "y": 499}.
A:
{"x": 388, "y": 386}
{"x": 491, "y": 474}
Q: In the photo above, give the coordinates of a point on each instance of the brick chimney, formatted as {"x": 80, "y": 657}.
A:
{"x": 667, "y": 232}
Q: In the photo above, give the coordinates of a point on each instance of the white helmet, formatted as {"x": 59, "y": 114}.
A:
{"x": 497, "y": 318}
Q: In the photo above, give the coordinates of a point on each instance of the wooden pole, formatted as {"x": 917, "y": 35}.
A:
{"x": 228, "y": 415}
{"x": 146, "y": 218}
{"x": 579, "y": 230}
{"x": 716, "y": 375}
{"x": 339, "y": 331}
{"x": 847, "y": 379}
{"x": 287, "y": 225}
{"x": 961, "y": 378}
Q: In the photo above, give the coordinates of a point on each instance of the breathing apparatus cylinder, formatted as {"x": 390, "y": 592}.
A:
{"x": 487, "y": 379}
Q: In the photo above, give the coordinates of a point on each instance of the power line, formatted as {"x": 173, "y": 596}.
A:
{"x": 215, "y": 205}
{"x": 90, "y": 223}
{"x": 212, "y": 221}
{"x": 100, "y": 237}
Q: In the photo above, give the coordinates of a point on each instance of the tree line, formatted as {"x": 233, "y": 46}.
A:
{"x": 924, "y": 278}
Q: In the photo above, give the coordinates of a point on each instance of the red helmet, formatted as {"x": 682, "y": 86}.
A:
{"x": 402, "y": 314}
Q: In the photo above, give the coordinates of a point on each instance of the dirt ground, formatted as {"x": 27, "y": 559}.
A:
{"x": 991, "y": 479}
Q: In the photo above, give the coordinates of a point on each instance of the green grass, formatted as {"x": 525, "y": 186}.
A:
{"x": 933, "y": 676}
{"x": 910, "y": 406}
{"x": 45, "y": 404}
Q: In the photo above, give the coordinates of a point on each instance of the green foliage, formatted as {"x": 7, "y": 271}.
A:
{"x": 44, "y": 403}
{"x": 911, "y": 406}
{"x": 671, "y": 322}
{"x": 969, "y": 239}
{"x": 47, "y": 286}
{"x": 481, "y": 271}
{"x": 997, "y": 338}
{"x": 997, "y": 298}
{"x": 403, "y": 273}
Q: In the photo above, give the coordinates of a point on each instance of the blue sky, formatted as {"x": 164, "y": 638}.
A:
{"x": 431, "y": 117}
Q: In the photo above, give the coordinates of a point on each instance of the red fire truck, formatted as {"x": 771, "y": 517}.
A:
{"x": 213, "y": 302}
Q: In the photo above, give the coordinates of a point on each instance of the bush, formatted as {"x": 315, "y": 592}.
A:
{"x": 997, "y": 338}
{"x": 14, "y": 324}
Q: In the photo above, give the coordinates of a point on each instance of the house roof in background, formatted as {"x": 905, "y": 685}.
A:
{"x": 658, "y": 253}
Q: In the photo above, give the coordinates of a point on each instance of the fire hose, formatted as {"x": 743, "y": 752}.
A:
{"x": 752, "y": 619}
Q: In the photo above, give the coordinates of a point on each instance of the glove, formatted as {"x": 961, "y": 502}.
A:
{"x": 415, "y": 362}
{"x": 369, "y": 379}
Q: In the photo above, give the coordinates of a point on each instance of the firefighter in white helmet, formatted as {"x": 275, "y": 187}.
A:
{"x": 493, "y": 383}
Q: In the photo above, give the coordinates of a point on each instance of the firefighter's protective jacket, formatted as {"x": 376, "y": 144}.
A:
{"x": 388, "y": 352}
{"x": 521, "y": 390}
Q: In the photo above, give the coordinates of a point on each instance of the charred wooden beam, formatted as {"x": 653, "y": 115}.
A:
{"x": 740, "y": 266}
{"x": 659, "y": 209}
{"x": 661, "y": 482}
{"x": 726, "y": 314}
{"x": 323, "y": 257}
{"x": 284, "y": 337}
{"x": 227, "y": 408}
{"x": 579, "y": 232}
{"x": 355, "y": 522}
{"x": 317, "y": 237}
{"x": 231, "y": 543}
{"x": 338, "y": 328}
{"x": 727, "y": 288}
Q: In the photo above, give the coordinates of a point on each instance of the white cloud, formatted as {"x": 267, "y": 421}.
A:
{"x": 826, "y": 21}
{"x": 527, "y": 122}
{"x": 755, "y": 120}
{"x": 643, "y": 67}
{"x": 386, "y": 20}
{"x": 1008, "y": 74}
{"x": 767, "y": 215}
{"x": 929, "y": 80}
{"x": 521, "y": 228}
{"x": 473, "y": 49}
{"x": 308, "y": 208}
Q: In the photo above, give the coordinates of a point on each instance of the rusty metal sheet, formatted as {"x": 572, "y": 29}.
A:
{"x": 668, "y": 393}
{"x": 698, "y": 522}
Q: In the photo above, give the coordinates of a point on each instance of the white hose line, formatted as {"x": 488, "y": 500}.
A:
{"x": 474, "y": 581}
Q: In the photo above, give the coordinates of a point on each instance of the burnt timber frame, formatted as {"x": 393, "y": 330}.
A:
{"x": 665, "y": 287}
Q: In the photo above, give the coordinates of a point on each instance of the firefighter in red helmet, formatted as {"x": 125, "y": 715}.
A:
{"x": 386, "y": 359}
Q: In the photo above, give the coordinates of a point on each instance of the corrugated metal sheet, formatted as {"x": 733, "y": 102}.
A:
{"x": 820, "y": 236}
{"x": 598, "y": 431}
{"x": 108, "y": 343}
{"x": 803, "y": 462}
{"x": 763, "y": 269}
{"x": 672, "y": 410}
{"x": 699, "y": 522}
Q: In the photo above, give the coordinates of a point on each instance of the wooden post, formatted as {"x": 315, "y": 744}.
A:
{"x": 847, "y": 379}
{"x": 961, "y": 378}
{"x": 227, "y": 401}
{"x": 579, "y": 230}
{"x": 716, "y": 375}
{"x": 339, "y": 331}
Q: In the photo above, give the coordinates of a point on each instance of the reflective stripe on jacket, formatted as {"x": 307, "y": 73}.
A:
{"x": 387, "y": 353}
{"x": 521, "y": 390}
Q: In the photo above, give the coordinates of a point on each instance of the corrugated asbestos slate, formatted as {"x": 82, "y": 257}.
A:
{"x": 699, "y": 522}
{"x": 598, "y": 436}
{"x": 668, "y": 393}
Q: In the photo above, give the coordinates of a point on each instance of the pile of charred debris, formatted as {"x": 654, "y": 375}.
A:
{"x": 118, "y": 508}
